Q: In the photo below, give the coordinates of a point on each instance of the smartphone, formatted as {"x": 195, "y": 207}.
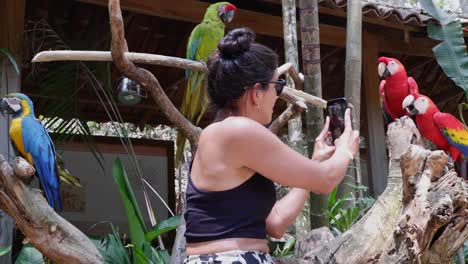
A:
{"x": 336, "y": 109}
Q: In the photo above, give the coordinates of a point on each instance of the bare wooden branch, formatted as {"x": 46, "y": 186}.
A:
{"x": 296, "y": 78}
{"x": 283, "y": 69}
{"x": 146, "y": 58}
{"x": 45, "y": 229}
{"x": 283, "y": 119}
{"x": 296, "y": 94}
{"x": 144, "y": 77}
{"x": 134, "y": 57}
{"x": 23, "y": 169}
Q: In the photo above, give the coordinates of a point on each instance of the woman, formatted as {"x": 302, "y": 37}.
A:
{"x": 231, "y": 199}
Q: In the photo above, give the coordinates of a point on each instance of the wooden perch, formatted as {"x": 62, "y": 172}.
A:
{"x": 153, "y": 59}
{"x": 424, "y": 223}
{"x": 290, "y": 95}
{"x": 56, "y": 238}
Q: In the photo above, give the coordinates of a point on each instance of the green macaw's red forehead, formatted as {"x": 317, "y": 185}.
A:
{"x": 230, "y": 7}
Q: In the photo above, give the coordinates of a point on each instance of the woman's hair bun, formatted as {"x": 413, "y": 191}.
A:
{"x": 236, "y": 42}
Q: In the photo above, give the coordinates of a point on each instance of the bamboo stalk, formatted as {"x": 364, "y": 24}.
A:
{"x": 310, "y": 33}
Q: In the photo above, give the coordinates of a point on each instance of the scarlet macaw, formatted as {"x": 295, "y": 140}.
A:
{"x": 394, "y": 87}
{"x": 33, "y": 143}
{"x": 203, "y": 41}
{"x": 442, "y": 129}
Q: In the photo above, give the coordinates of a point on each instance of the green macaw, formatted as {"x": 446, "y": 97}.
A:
{"x": 202, "y": 42}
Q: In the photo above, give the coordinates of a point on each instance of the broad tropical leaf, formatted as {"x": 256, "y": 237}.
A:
{"x": 134, "y": 216}
{"x": 29, "y": 255}
{"x": 163, "y": 227}
{"x": 11, "y": 59}
{"x": 451, "y": 52}
{"x": 4, "y": 250}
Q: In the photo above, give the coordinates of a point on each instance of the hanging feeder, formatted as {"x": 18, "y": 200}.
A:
{"x": 129, "y": 92}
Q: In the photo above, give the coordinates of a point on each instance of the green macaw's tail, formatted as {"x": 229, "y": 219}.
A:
{"x": 193, "y": 107}
{"x": 67, "y": 178}
{"x": 64, "y": 174}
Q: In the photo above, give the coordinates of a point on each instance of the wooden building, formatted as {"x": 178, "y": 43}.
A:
{"x": 163, "y": 27}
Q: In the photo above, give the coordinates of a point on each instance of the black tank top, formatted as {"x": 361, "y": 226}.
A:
{"x": 235, "y": 213}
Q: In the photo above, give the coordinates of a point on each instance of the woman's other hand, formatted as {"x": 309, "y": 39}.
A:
{"x": 349, "y": 140}
{"x": 323, "y": 151}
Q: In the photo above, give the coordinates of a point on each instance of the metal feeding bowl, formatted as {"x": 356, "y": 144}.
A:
{"x": 129, "y": 92}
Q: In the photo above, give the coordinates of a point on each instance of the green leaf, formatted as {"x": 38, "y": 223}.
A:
{"x": 4, "y": 250}
{"x": 462, "y": 107}
{"x": 163, "y": 227}
{"x": 111, "y": 248}
{"x": 11, "y": 59}
{"x": 134, "y": 216}
{"x": 451, "y": 52}
{"x": 29, "y": 255}
{"x": 332, "y": 197}
{"x": 289, "y": 245}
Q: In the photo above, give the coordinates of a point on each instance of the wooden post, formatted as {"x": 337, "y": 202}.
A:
{"x": 376, "y": 150}
{"x": 11, "y": 32}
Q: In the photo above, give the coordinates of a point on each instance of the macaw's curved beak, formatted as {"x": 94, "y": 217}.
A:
{"x": 3, "y": 107}
{"x": 408, "y": 105}
{"x": 7, "y": 108}
{"x": 412, "y": 110}
{"x": 386, "y": 73}
{"x": 227, "y": 16}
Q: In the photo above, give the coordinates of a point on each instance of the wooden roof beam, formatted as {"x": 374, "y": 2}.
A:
{"x": 263, "y": 24}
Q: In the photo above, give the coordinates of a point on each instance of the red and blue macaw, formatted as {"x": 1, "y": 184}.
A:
{"x": 394, "y": 87}
{"x": 202, "y": 42}
{"x": 33, "y": 143}
{"x": 442, "y": 129}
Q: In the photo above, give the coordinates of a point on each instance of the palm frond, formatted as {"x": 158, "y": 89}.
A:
{"x": 11, "y": 59}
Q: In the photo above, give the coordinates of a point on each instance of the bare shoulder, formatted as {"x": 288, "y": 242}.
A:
{"x": 233, "y": 128}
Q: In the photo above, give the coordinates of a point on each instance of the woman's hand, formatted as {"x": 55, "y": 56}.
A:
{"x": 349, "y": 140}
{"x": 323, "y": 151}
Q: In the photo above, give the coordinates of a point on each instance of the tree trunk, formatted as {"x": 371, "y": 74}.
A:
{"x": 464, "y": 7}
{"x": 56, "y": 238}
{"x": 353, "y": 84}
{"x": 421, "y": 217}
{"x": 312, "y": 85}
{"x": 296, "y": 137}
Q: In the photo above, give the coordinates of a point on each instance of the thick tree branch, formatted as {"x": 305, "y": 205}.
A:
{"x": 427, "y": 226}
{"x": 144, "y": 77}
{"x": 48, "y": 232}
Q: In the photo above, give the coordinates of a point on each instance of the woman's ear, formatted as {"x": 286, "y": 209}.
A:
{"x": 256, "y": 94}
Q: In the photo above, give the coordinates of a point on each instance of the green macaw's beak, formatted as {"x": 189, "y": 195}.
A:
{"x": 227, "y": 16}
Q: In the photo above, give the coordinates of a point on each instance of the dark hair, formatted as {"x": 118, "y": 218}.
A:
{"x": 238, "y": 63}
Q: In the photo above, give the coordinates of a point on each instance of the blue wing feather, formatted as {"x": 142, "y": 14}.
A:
{"x": 191, "y": 52}
{"x": 37, "y": 142}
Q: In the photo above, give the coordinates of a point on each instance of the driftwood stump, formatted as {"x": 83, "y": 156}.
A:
{"x": 56, "y": 238}
{"x": 420, "y": 218}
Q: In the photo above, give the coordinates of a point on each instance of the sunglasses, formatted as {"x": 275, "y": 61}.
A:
{"x": 279, "y": 85}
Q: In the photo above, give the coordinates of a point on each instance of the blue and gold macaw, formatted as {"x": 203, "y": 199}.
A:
{"x": 33, "y": 143}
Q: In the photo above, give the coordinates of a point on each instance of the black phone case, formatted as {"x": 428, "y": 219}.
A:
{"x": 336, "y": 109}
